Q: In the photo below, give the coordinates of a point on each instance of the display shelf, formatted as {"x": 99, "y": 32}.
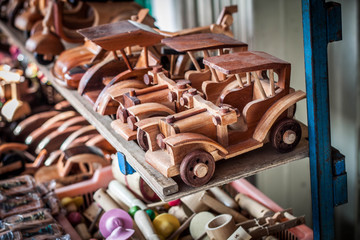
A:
{"x": 167, "y": 188}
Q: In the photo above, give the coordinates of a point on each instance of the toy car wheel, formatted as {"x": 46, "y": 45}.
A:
{"x": 142, "y": 139}
{"x": 197, "y": 168}
{"x": 285, "y": 135}
{"x": 40, "y": 58}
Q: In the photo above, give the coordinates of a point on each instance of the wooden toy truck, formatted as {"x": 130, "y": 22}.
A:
{"x": 190, "y": 142}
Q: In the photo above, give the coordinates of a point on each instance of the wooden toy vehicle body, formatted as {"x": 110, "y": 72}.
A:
{"x": 73, "y": 63}
{"x": 60, "y": 23}
{"x": 73, "y": 165}
{"x": 189, "y": 143}
{"x": 127, "y": 76}
{"x": 163, "y": 97}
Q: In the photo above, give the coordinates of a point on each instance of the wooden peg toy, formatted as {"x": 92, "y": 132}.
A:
{"x": 125, "y": 195}
{"x": 223, "y": 197}
{"x": 104, "y": 200}
{"x": 146, "y": 227}
{"x": 253, "y": 207}
{"x": 217, "y": 206}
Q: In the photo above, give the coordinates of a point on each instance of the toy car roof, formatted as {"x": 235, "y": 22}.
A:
{"x": 201, "y": 41}
{"x": 244, "y": 62}
{"x": 118, "y": 35}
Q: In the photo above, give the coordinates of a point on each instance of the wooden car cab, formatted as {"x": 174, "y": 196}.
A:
{"x": 189, "y": 143}
{"x": 120, "y": 36}
{"x": 72, "y": 64}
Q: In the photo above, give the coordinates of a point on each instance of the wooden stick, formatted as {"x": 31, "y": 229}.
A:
{"x": 248, "y": 78}
{"x": 259, "y": 85}
{"x": 193, "y": 59}
{"x": 272, "y": 83}
{"x": 146, "y": 57}
{"x": 115, "y": 55}
{"x": 213, "y": 72}
{"x": 172, "y": 64}
{"x": 206, "y": 54}
{"x": 238, "y": 78}
{"x": 123, "y": 54}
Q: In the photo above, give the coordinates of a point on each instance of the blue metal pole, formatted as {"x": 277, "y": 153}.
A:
{"x": 316, "y": 37}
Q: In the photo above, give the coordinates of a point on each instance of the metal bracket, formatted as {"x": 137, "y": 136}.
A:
{"x": 333, "y": 21}
{"x": 125, "y": 167}
{"x": 339, "y": 178}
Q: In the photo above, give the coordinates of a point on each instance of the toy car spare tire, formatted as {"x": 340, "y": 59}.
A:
{"x": 197, "y": 168}
{"x": 285, "y": 135}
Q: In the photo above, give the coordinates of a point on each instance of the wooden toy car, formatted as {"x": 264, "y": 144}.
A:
{"x": 74, "y": 165}
{"x": 73, "y": 63}
{"x": 163, "y": 98}
{"x": 188, "y": 143}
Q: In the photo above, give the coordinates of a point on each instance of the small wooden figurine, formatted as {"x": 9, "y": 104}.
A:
{"x": 14, "y": 108}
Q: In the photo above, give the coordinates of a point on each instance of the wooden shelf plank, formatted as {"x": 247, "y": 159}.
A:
{"x": 167, "y": 188}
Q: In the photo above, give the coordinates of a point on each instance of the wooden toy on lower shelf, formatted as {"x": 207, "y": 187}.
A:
{"x": 74, "y": 165}
{"x": 188, "y": 143}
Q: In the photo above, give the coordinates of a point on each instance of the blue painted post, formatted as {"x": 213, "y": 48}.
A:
{"x": 318, "y": 31}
